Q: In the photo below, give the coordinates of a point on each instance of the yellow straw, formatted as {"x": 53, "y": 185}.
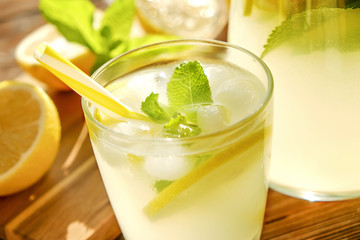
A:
{"x": 82, "y": 83}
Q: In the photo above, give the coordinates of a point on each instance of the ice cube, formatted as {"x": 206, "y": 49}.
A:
{"x": 130, "y": 98}
{"x": 140, "y": 86}
{"x": 212, "y": 117}
{"x": 169, "y": 167}
{"x": 216, "y": 75}
{"x": 161, "y": 80}
{"x": 241, "y": 95}
{"x": 136, "y": 128}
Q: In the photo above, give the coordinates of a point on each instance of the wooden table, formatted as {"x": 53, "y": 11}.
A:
{"x": 70, "y": 201}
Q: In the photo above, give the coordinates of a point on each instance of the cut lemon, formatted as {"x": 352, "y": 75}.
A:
{"x": 29, "y": 135}
{"x": 76, "y": 53}
{"x": 171, "y": 192}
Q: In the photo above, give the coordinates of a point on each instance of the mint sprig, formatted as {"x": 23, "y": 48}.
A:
{"x": 317, "y": 30}
{"x": 75, "y": 21}
{"x": 152, "y": 109}
{"x": 116, "y": 23}
{"x": 352, "y": 4}
{"x": 188, "y": 86}
{"x": 178, "y": 126}
{"x": 161, "y": 185}
{"x": 187, "y": 89}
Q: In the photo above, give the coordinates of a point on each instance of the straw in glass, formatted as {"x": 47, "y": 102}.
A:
{"x": 82, "y": 83}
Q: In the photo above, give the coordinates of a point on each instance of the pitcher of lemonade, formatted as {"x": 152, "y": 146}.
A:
{"x": 312, "y": 48}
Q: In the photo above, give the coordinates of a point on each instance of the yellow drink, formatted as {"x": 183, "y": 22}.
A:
{"x": 211, "y": 186}
{"x": 315, "y": 59}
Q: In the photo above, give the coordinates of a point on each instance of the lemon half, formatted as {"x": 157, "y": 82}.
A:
{"x": 29, "y": 135}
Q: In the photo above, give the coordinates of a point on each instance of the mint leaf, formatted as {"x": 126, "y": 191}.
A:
{"x": 116, "y": 23}
{"x": 74, "y": 20}
{"x": 148, "y": 39}
{"x": 316, "y": 30}
{"x": 190, "y": 80}
{"x": 161, "y": 185}
{"x": 179, "y": 127}
{"x": 188, "y": 85}
{"x": 352, "y": 4}
{"x": 99, "y": 61}
{"x": 136, "y": 42}
{"x": 152, "y": 108}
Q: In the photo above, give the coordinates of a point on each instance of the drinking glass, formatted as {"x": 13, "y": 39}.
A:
{"x": 313, "y": 50}
{"x": 189, "y": 18}
{"x": 211, "y": 186}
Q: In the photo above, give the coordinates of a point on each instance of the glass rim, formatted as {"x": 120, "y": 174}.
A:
{"x": 216, "y": 43}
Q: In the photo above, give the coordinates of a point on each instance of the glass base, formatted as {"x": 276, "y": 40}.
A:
{"x": 313, "y": 195}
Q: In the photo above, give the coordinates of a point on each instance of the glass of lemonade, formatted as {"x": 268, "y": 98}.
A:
{"x": 201, "y": 173}
{"x": 313, "y": 51}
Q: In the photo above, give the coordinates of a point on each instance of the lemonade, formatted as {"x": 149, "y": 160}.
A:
{"x": 207, "y": 178}
{"x": 313, "y": 52}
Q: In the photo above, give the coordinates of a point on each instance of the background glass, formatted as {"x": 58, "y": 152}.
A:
{"x": 313, "y": 50}
{"x": 185, "y": 18}
{"x": 227, "y": 200}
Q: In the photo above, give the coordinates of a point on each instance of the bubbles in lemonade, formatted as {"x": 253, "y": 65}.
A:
{"x": 212, "y": 186}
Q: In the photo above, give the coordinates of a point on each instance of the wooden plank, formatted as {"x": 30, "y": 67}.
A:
{"x": 291, "y": 218}
{"x": 75, "y": 208}
{"x": 72, "y": 124}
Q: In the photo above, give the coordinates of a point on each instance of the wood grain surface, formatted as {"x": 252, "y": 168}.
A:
{"x": 70, "y": 201}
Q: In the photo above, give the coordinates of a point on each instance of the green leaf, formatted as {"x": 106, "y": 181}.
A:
{"x": 148, "y": 39}
{"x": 161, "y": 185}
{"x": 152, "y": 108}
{"x": 136, "y": 42}
{"x": 316, "y": 30}
{"x": 352, "y": 4}
{"x": 179, "y": 127}
{"x": 99, "y": 61}
{"x": 74, "y": 20}
{"x": 117, "y": 21}
{"x": 188, "y": 85}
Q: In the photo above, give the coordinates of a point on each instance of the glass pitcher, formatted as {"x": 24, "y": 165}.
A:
{"x": 312, "y": 48}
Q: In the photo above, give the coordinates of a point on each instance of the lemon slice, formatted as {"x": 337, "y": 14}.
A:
{"x": 29, "y": 135}
{"x": 171, "y": 192}
{"x": 76, "y": 53}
